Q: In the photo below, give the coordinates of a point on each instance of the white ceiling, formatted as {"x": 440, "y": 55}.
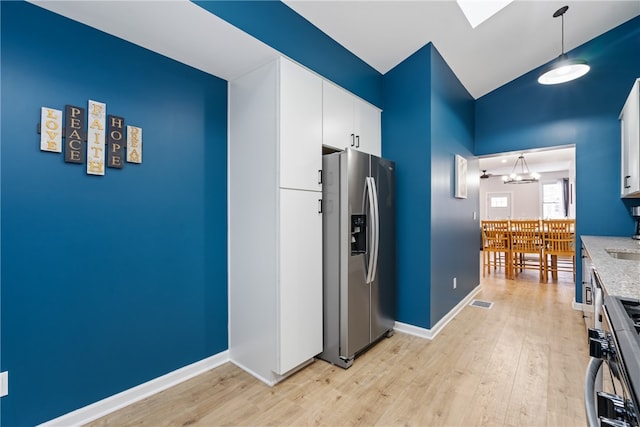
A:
{"x": 522, "y": 36}
{"x": 178, "y": 29}
{"x": 540, "y": 160}
{"x": 519, "y": 38}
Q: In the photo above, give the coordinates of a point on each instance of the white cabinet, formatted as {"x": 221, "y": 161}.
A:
{"x": 300, "y": 298}
{"x": 367, "y": 122}
{"x": 630, "y": 136}
{"x": 300, "y": 128}
{"x": 348, "y": 121}
{"x": 275, "y": 228}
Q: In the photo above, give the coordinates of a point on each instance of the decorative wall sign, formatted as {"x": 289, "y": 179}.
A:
{"x": 115, "y": 142}
{"x": 96, "y": 137}
{"x": 460, "y": 177}
{"x": 134, "y": 144}
{"x": 75, "y": 134}
{"x": 51, "y": 130}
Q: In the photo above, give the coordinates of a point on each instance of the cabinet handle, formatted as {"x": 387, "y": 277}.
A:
{"x": 357, "y": 141}
{"x": 320, "y": 176}
{"x": 319, "y": 205}
{"x": 353, "y": 139}
{"x": 626, "y": 183}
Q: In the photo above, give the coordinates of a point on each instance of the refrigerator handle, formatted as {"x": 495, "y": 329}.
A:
{"x": 376, "y": 227}
{"x": 372, "y": 229}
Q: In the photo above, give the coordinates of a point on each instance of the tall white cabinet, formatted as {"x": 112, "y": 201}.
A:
{"x": 630, "y": 136}
{"x": 275, "y": 219}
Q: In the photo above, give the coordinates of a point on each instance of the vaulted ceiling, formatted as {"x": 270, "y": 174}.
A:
{"x": 519, "y": 38}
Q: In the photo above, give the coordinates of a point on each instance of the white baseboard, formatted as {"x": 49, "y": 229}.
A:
{"x": 581, "y": 306}
{"x": 117, "y": 401}
{"x": 413, "y": 330}
{"x": 438, "y": 327}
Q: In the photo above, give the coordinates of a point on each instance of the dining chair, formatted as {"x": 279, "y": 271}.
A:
{"x": 526, "y": 246}
{"x": 559, "y": 247}
{"x": 495, "y": 244}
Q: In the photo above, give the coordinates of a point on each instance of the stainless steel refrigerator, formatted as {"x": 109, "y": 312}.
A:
{"x": 358, "y": 253}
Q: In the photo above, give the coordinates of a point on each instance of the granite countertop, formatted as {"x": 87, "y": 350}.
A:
{"x": 619, "y": 277}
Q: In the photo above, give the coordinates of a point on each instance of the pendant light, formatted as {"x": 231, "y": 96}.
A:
{"x": 564, "y": 69}
{"x": 524, "y": 176}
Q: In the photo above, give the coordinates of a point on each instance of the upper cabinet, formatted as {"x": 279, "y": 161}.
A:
{"x": 349, "y": 122}
{"x": 300, "y": 128}
{"x": 630, "y": 133}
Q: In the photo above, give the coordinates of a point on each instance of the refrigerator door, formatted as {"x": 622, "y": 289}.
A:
{"x": 355, "y": 293}
{"x": 383, "y": 302}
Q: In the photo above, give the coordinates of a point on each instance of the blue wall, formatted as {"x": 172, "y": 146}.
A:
{"x": 455, "y": 236}
{"x": 428, "y": 117}
{"x": 523, "y": 114}
{"x": 278, "y": 26}
{"x": 109, "y": 281}
{"x": 406, "y": 136}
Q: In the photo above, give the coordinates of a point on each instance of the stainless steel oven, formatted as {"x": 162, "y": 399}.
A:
{"x": 615, "y": 354}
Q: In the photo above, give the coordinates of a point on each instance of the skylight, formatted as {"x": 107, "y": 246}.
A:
{"x": 478, "y": 11}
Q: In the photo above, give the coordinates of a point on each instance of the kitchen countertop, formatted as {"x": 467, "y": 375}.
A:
{"x": 619, "y": 277}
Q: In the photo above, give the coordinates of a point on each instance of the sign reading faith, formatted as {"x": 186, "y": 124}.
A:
{"x": 51, "y": 130}
{"x": 96, "y": 138}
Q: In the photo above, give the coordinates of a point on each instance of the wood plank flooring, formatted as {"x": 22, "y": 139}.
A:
{"x": 520, "y": 363}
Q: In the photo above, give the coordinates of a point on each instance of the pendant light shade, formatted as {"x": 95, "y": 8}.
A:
{"x": 563, "y": 69}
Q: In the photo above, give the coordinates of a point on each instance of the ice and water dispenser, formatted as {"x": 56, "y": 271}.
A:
{"x": 358, "y": 234}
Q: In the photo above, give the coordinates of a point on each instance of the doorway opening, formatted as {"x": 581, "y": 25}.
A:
{"x": 545, "y": 192}
{"x": 552, "y": 196}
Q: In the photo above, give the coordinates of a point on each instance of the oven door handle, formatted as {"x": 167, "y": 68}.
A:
{"x": 590, "y": 391}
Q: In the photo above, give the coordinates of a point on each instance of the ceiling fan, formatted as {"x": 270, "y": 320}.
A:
{"x": 485, "y": 175}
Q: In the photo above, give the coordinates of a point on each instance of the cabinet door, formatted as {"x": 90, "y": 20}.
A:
{"x": 337, "y": 117}
{"x": 630, "y": 129}
{"x": 587, "y": 290}
{"x": 300, "y": 127}
{"x": 368, "y": 128}
{"x": 300, "y": 279}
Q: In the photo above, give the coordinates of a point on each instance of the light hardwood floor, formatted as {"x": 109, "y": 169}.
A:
{"x": 520, "y": 363}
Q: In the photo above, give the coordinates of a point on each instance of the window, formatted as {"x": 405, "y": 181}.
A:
{"x": 552, "y": 200}
{"x": 499, "y": 202}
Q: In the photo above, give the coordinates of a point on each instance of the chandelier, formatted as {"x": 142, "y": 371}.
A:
{"x": 521, "y": 174}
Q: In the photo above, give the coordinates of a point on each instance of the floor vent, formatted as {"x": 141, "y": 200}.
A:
{"x": 481, "y": 304}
